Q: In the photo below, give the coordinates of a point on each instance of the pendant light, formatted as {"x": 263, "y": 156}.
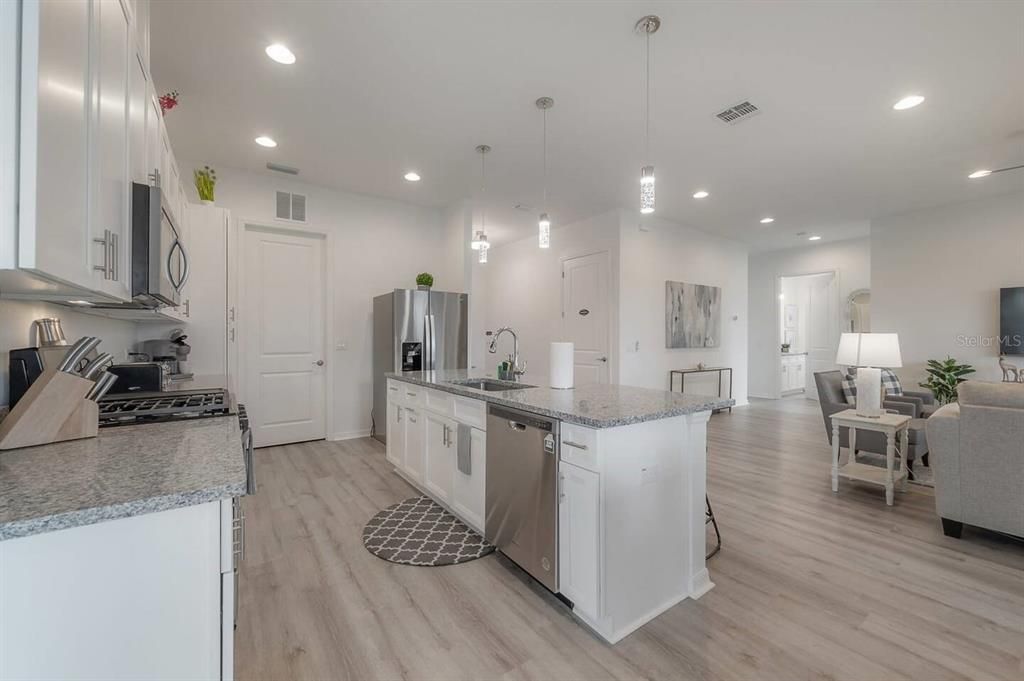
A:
{"x": 479, "y": 242}
{"x": 544, "y": 222}
{"x": 647, "y": 25}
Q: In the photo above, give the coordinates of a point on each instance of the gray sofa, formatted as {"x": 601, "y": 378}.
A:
{"x": 916, "y": 405}
{"x": 978, "y": 459}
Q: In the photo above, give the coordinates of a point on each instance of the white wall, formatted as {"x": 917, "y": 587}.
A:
{"x": 851, "y": 259}
{"x": 522, "y": 288}
{"x": 668, "y": 251}
{"x": 378, "y": 245}
{"x": 936, "y": 276}
{"x": 16, "y": 331}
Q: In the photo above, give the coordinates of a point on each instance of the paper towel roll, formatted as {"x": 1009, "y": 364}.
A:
{"x": 562, "y": 356}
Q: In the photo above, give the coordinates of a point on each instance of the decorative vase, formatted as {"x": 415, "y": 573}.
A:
{"x": 207, "y": 202}
{"x": 421, "y": 287}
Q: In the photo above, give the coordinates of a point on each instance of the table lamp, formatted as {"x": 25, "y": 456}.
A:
{"x": 869, "y": 352}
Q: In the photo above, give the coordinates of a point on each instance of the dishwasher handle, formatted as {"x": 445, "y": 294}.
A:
{"x": 515, "y": 425}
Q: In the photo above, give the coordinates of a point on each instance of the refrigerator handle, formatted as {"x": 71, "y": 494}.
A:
{"x": 433, "y": 344}
{"x": 428, "y": 348}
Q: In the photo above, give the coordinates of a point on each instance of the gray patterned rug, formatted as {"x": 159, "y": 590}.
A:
{"x": 419, "y": 532}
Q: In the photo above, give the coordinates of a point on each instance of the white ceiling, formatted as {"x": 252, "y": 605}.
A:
{"x": 381, "y": 88}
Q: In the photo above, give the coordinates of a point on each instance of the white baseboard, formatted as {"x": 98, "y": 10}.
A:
{"x": 350, "y": 435}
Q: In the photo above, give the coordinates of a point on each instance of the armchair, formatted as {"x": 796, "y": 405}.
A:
{"x": 912, "y": 404}
{"x": 979, "y": 459}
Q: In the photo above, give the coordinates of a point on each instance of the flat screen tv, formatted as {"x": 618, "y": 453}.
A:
{"x": 1011, "y": 321}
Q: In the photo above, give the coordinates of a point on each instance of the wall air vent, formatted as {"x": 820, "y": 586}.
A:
{"x": 291, "y": 207}
{"x": 737, "y": 113}
{"x": 278, "y": 168}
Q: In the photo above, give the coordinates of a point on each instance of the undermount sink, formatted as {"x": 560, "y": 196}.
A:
{"x": 490, "y": 385}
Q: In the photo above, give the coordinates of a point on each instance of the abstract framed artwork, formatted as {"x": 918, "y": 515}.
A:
{"x": 693, "y": 315}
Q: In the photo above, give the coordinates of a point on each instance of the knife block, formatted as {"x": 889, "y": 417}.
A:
{"x": 53, "y": 409}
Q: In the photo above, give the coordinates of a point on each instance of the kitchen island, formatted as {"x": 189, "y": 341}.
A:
{"x": 117, "y": 553}
{"x": 630, "y": 494}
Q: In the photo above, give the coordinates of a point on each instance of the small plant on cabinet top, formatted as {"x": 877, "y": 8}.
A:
{"x": 944, "y": 377}
{"x": 206, "y": 181}
{"x": 168, "y": 101}
{"x": 425, "y": 279}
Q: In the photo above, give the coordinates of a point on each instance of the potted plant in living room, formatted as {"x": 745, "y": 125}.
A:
{"x": 944, "y": 377}
{"x": 206, "y": 182}
{"x": 424, "y": 281}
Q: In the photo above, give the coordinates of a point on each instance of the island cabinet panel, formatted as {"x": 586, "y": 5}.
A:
{"x": 579, "y": 553}
{"x": 415, "y": 433}
{"x": 134, "y": 598}
{"x": 468, "y": 488}
{"x": 439, "y": 453}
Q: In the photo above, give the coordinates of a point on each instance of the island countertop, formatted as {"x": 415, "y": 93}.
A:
{"x": 124, "y": 471}
{"x": 596, "y": 406}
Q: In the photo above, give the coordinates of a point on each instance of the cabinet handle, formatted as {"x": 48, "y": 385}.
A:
{"x": 188, "y": 307}
{"x": 232, "y": 335}
{"x": 444, "y": 435}
{"x": 232, "y": 313}
{"x": 399, "y": 414}
{"x": 105, "y": 267}
{"x": 561, "y": 494}
{"x": 112, "y": 237}
{"x": 570, "y": 443}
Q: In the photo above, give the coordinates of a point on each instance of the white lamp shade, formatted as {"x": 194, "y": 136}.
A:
{"x": 869, "y": 350}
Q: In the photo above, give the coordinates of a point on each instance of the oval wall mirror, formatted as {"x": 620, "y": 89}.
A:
{"x": 858, "y": 311}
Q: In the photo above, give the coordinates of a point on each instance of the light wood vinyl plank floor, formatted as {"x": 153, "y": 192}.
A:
{"x": 809, "y": 584}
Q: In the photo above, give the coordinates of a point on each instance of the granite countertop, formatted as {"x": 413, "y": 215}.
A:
{"x": 596, "y": 406}
{"x": 125, "y": 471}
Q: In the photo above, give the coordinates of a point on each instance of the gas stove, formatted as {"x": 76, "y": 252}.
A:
{"x": 160, "y": 407}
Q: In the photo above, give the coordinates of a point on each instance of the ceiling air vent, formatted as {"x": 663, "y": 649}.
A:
{"x": 737, "y": 113}
{"x": 291, "y": 207}
{"x": 287, "y": 170}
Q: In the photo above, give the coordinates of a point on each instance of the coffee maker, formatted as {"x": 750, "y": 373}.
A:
{"x": 171, "y": 353}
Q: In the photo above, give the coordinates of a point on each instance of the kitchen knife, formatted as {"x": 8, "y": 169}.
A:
{"x": 93, "y": 369}
{"x": 104, "y": 383}
{"x": 83, "y": 347}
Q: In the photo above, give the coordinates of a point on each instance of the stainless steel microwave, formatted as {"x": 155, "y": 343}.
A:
{"x": 159, "y": 260}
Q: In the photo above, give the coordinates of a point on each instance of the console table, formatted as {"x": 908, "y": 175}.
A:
{"x": 706, "y": 370}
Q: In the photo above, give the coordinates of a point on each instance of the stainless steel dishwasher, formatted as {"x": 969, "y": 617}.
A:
{"x": 522, "y": 490}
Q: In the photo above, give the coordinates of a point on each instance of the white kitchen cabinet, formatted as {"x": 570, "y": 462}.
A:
{"x": 439, "y": 456}
{"x": 109, "y": 175}
{"x": 78, "y": 127}
{"x": 579, "y": 552}
{"x": 468, "y": 490}
{"x": 133, "y": 598}
{"x": 154, "y": 143}
{"x": 9, "y": 30}
{"x": 414, "y": 445}
{"x": 396, "y": 433}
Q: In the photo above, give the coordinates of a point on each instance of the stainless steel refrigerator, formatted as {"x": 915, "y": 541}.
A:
{"x": 416, "y": 330}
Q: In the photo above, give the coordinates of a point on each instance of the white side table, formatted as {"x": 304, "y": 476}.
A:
{"x": 892, "y": 425}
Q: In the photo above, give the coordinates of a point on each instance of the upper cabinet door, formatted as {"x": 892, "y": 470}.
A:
{"x": 109, "y": 225}
{"x": 53, "y": 229}
{"x": 138, "y": 102}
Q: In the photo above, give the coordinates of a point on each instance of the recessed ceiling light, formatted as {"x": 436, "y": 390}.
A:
{"x": 701, "y": 194}
{"x": 265, "y": 141}
{"x": 979, "y": 173}
{"x": 908, "y": 102}
{"x": 767, "y": 221}
{"x": 814, "y": 238}
{"x": 280, "y": 54}
{"x": 412, "y": 176}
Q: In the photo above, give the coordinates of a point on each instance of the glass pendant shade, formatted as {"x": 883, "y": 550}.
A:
{"x": 647, "y": 190}
{"x": 483, "y": 252}
{"x": 479, "y": 239}
{"x": 544, "y": 231}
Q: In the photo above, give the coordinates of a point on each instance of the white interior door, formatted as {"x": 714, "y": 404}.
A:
{"x": 585, "y": 315}
{"x": 282, "y": 284}
{"x": 822, "y": 328}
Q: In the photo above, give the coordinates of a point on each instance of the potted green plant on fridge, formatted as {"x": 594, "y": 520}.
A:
{"x": 206, "y": 181}
{"x": 424, "y": 280}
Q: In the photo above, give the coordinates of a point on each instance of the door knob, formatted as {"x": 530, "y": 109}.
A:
{"x": 319, "y": 362}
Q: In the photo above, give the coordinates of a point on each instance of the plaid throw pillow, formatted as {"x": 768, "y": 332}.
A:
{"x": 891, "y": 383}
{"x": 850, "y": 389}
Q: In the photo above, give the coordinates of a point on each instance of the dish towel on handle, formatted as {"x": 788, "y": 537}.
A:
{"x": 464, "y": 444}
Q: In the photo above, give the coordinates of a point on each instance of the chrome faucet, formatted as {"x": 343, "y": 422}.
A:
{"x": 516, "y": 368}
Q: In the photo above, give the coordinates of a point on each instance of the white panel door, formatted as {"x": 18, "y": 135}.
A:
{"x": 282, "y": 289}
{"x": 823, "y": 327}
{"x": 585, "y": 303}
{"x": 578, "y": 537}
